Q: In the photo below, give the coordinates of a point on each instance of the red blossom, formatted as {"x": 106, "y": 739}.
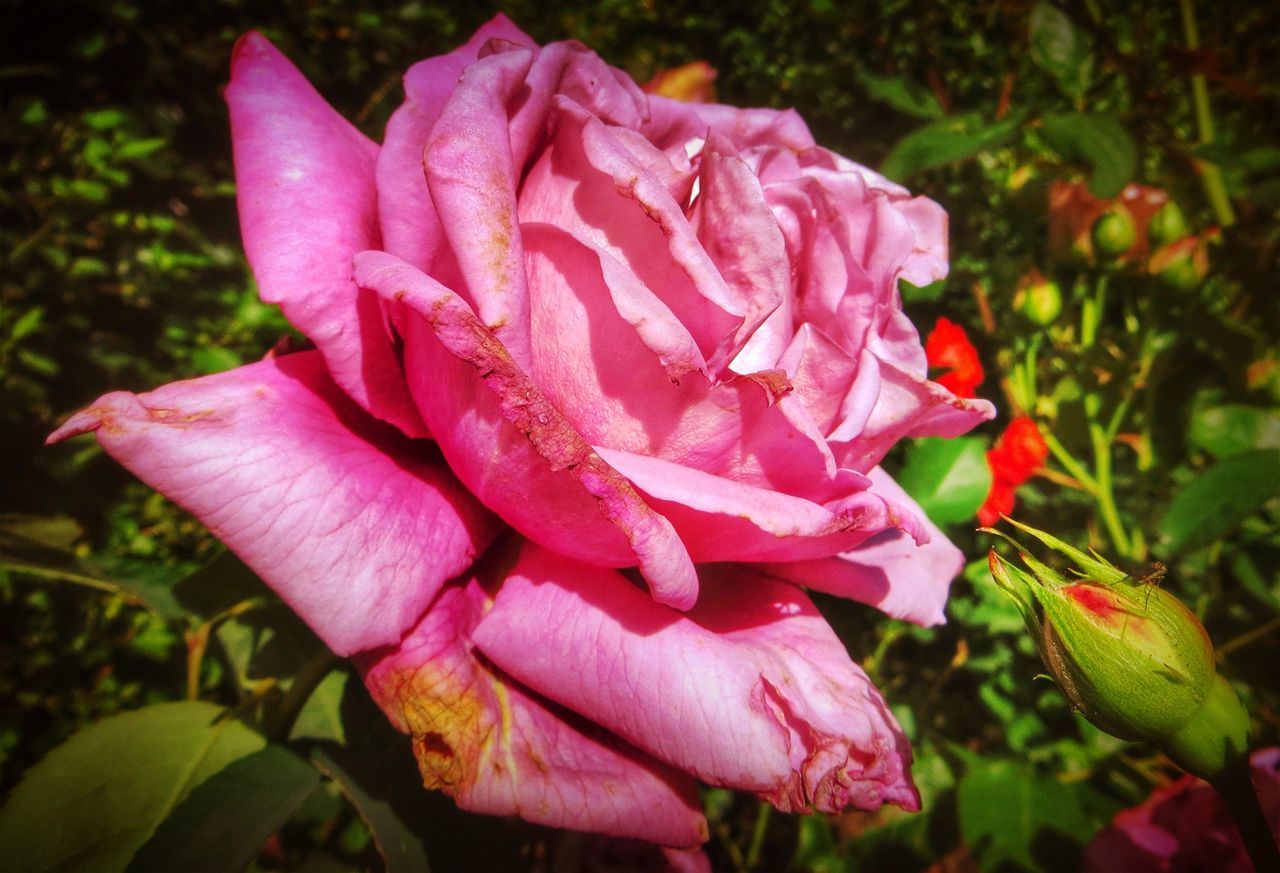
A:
{"x": 948, "y": 347}
{"x": 1017, "y": 455}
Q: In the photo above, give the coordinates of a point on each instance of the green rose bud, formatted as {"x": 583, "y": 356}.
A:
{"x": 1167, "y": 225}
{"x": 1181, "y": 272}
{"x": 1128, "y": 655}
{"x": 1113, "y": 233}
{"x": 1040, "y": 302}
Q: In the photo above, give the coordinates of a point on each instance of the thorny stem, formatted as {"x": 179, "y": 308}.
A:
{"x": 1210, "y": 175}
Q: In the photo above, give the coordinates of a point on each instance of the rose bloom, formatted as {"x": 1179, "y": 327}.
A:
{"x": 600, "y": 380}
{"x": 1185, "y": 827}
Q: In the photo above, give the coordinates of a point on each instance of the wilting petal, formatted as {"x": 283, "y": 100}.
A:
{"x": 354, "y": 525}
{"x": 498, "y": 749}
{"x": 891, "y": 571}
{"x": 410, "y": 227}
{"x": 750, "y": 690}
{"x": 305, "y": 188}
{"x": 513, "y": 448}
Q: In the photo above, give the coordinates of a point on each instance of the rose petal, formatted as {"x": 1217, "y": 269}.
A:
{"x": 672, "y": 122}
{"x": 354, "y": 525}
{"x": 719, "y": 519}
{"x": 498, "y": 749}
{"x": 891, "y": 571}
{"x": 906, "y": 406}
{"x": 589, "y": 183}
{"x": 750, "y": 690}
{"x": 305, "y": 189}
{"x": 410, "y": 227}
{"x": 741, "y": 235}
{"x": 628, "y": 376}
{"x": 473, "y": 183}
{"x": 513, "y": 448}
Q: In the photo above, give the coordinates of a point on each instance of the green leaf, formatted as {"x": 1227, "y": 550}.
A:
{"x": 1060, "y": 49}
{"x": 137, "y": 149}
{"x": 40, "y": 547}
{"x": 28, "y": 324}
{"x": 1098, "y": 140}
{"x": 930, "y": 293}
{"x": 91, "y": 802}
{"x": 949, "y": 478}
{"x": 1010, "y": 815}
{"x": 944, "y": 142}
{"x": 909, "y": 98}
{"x": 104, "y": 119}
{"x": 399, "y": 846}
{"x": 321, "y": 716}
{"x": 224, "y": 821}
{"x": 214, "y": 359}
{"x": 1233, "y": 428}
{"x": 1218, "y": 500}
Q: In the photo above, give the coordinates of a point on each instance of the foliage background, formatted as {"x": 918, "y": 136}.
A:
{"x": 122, "y": 270}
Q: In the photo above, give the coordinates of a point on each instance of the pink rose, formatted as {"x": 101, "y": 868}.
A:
{"x": 642, "y": 334}
{"x": 1185, "y": 826}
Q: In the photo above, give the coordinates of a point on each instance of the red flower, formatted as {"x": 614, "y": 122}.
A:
{"x": 948, "y": 347}
{"x": 1014, "y": 459}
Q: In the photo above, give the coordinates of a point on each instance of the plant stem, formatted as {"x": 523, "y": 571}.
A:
{"x": 757, "y": 835}
{"x": 1091, "y": 313}
{"x": 1210, "y": 175}
{"x": 1106, "y": 500}
{"x": 1235, "y": 784}
{"x": 1068, "y": 460}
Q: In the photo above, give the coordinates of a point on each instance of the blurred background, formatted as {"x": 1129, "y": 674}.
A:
{"x": 1112, "y": 174}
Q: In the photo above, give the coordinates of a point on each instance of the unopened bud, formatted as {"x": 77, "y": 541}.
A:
{"x": 1128, "y": 655}
{"x": 1040, "y": 302}
{"x": 1167, "y": 225}
{"x": 1113, "y": 233}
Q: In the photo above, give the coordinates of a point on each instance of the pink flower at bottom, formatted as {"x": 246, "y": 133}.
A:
{"x": 600, "y": 382}
{"x": 1184, "y": 827}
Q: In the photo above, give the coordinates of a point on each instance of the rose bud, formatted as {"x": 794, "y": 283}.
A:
{"x": 1167, "y": 225}
{"x": 1039, "y": 299}
{"x": 1128, "y": 655}
{"x": 1113, "y": 233}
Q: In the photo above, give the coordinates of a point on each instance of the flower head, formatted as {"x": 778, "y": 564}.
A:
{"x": 601, "y": 379}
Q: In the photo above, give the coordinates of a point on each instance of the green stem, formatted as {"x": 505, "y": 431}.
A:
{"x": 1103, "y": 495}
{"x": 1236, "y": 787}
{"x": 1091, "y": 313}
{"x": 1069, "y": 461}
{"x": 757, "y": 836}
{"x": 1210, "y": 175}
